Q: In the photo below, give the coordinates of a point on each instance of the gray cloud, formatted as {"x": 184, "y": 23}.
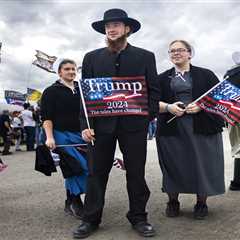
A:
{"x": 63, "y": 28}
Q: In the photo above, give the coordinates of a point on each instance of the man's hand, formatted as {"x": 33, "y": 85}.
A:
{"x": 50, "y": 142}
{"x": 88, "y": 135}
{"x": 192, "y": 108}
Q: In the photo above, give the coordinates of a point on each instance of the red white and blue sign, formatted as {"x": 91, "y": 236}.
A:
{"x": 115, "y": 96}
{"x": 223, "y": 100}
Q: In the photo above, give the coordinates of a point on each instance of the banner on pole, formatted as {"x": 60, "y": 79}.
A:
{"x": 115, "y": 96}
{"x": 14, "y": 97}
{"x": 224, "y": 100}
{"x": 33, "y": 95}
{"x": 44, "y": 61}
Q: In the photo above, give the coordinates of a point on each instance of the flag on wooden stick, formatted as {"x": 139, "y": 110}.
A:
{"x": 33, "y": 94}
{"x": 224, "y": 98}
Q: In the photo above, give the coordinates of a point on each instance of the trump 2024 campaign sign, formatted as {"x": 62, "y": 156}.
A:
{"x": 115, "y": 96}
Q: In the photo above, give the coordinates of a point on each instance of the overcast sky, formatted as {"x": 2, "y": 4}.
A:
{"x": 63, "y": 29}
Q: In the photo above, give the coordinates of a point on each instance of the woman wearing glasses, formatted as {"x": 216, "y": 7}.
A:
{"x": 190, "y": 147}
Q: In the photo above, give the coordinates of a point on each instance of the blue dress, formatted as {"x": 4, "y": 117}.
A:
{"x": 76, "y": 184}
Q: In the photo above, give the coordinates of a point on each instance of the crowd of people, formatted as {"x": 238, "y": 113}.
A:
{"x": 190, "y": 148}
{"x": 19, "y": 127}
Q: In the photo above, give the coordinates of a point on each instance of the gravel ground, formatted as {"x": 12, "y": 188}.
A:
{"x": 32, "y": 205}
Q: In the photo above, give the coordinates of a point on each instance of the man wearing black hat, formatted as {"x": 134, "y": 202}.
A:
{"x": 118, "y": 59}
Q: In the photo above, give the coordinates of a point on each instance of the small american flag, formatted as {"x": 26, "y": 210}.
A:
{"x": 223, "y": 100}
{"x": 111, "y": 96}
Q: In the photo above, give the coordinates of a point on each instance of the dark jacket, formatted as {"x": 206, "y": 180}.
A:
{"x": 130, "y": 62}
{"x": 62, "y": 106}
{"x": 3, "y": 129}
{"x": 203, "y": 122}
{"x": 44, "y": 162}
{"x": 69, "y": 165}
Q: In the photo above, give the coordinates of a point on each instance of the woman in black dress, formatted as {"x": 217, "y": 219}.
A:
{"x": 190, "y": 147}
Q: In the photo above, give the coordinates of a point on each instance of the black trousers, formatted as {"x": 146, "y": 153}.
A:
{"x": 133, "y": 146}
{"x": 30, "y": 137}
{"x": 6, "y": 142}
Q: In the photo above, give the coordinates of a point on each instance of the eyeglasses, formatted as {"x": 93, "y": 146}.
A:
{"x": 178, "y": 50}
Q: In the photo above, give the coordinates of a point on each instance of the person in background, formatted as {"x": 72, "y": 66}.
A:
{"x": 29, "y": 126}
{"x": 190, "y": 148}
{"x": 37, "y": 118}
{"x": 152, "y": 127}
{"x": 17, "y": 127}
{"x": 3, "y": 166}
{"x": 6, "y": 132}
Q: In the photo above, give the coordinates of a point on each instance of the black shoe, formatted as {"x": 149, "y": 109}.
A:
{"x": 74, "y": 208}
{"x": 200, "y": 211}
{"x": 234, "y": 186}
{"x": 84, "y": 230}
{"x": 173, "y": 208}
{"x": 67, "y": 208}
{"x": 144, "y": 229}
{"x": 77, "y": 207}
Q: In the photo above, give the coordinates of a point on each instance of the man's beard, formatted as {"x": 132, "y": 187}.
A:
{"x": 117, "y": 44}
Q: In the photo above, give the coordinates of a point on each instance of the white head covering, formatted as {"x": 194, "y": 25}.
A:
{"x": 56, "y": 64}
{"x": 192, "y": 52}
{"x": 236, "y": 58}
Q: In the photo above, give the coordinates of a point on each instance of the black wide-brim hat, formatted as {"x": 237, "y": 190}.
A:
{"x": 116, "y": 15}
